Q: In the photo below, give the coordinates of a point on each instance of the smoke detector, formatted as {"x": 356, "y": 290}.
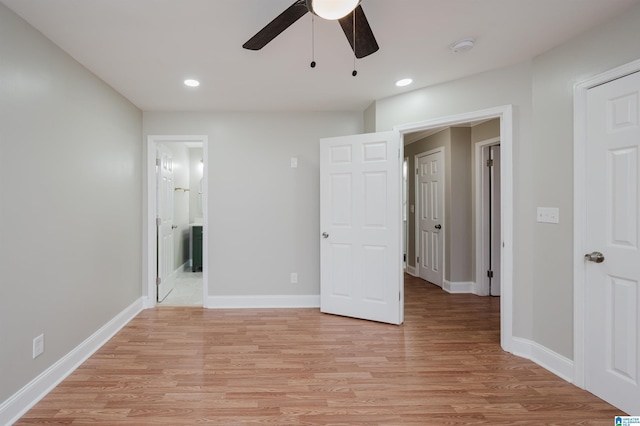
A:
{"x": 463, "y": 45}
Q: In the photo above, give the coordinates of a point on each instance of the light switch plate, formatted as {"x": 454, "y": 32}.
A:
{"x": 294, "y": 162}
{"x": 548, "y": 215}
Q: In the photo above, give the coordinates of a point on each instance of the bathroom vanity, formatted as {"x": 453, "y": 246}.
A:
{"x": 195, "y": 246}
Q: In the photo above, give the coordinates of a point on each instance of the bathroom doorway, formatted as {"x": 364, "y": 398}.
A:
{"x": 187, "y": 265}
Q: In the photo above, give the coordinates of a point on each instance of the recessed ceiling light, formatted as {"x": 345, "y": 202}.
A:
{"x": 404, "y": 82}
{"x": 191, "y": 82}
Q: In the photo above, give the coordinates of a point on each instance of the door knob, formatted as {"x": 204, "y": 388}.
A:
{"x": 438, "y": 226}
{"x": 595, "y": 256}
{"x": 325, "y": 235}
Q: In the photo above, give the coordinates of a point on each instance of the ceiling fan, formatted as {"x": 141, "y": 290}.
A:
{"x": 354, "y": 24}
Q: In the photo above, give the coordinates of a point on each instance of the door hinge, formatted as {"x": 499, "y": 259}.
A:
{"x": 490, "y": 274}
{"x": 158, "y": 280}
{"x": 417, "y": 171}
{"x": 418, "y": 259}
{"x": 158, "y": 162}
{"x": 399, "y": 296}
{"x": 490, "y": 162}
{"x": 158, "y": 221}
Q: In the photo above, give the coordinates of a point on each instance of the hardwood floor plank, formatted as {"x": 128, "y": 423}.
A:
{"x": 444, "y": 366}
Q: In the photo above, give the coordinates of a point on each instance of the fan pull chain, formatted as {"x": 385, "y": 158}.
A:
{"x": 354, "y": 72}
{"x": 313, "y": 42}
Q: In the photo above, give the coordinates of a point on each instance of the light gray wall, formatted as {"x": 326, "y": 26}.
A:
{"x": 541, "y": 92}
{"x": 195, "y": 170}
{"x": 554, "y": 75}
{"x": 370, "y": 118}
{"x": 461, "y": 248}
{"x": 70, "y": 188}
{"x": 263, "y": 215}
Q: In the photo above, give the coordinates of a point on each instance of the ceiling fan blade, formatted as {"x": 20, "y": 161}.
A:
{"x": 366, "y": 43}
{"x": 283, "y": 21}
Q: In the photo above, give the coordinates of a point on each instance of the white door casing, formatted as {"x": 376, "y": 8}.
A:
{"x": 360, "y": 223}
{"x": 505, "y": 114}
{"x": 164, "y": 212}
{"x": 430, "y": 199}
{"x": 612, "y": 293}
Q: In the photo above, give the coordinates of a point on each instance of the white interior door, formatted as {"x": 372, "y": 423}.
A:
{"x": 612, "y": 319}
{"x": 360, "y": 206}
{"x": 430, "y": 213}
{"x": 495, "y": 244}
{"x": 164, "y": 211}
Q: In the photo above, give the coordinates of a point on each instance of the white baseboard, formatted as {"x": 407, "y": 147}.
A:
{"x": 411, "y": 270}
{"x": 457, "y": 287}
{"x": 544, "y": 357}
{"x": 242, "y": 302}
{"x": 20, "y": 402}
{"x": 147, "y": 302}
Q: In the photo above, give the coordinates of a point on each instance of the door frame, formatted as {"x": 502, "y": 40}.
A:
{"x": 579, "y": 209}
{"x": 505, "y": 114}
{"x": 482, "y": 285}
{"x": 149, "y": 244}
{"x": 416, "y": 220}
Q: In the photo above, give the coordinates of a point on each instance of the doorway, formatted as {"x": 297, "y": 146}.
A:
{"x": 505, "y": 115}
{"x": 192, "y": 193}
{"x": 488, "y": 204}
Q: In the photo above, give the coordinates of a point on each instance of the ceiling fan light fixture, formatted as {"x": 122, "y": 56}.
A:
{"x": 332, "y": 9}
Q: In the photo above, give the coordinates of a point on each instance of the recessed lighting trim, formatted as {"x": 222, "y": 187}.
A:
{"x": 404, "y": 82}
{"x": 191, "y": 82}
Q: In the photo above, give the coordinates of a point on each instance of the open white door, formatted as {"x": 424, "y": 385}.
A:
{"x": 164, "y": 211}
{"x": 612, "y": 259}
{"x": 495, "y": 225}
{"x": 360, "y": 219}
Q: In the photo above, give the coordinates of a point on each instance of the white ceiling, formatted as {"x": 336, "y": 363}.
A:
{"x": 145, "y": 48}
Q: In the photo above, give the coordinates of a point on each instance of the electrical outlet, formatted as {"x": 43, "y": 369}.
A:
{"x": 38, "y": 346}
{"x": 294, "y": 278}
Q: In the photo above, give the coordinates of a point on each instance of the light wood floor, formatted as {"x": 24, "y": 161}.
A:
{"x": 444, "y": 366}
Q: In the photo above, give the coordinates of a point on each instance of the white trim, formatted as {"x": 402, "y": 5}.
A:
{"x": 557, "y": 364}
{"x": 458, "y": 287}
{"x": 579, "y": 208}
{"x": 411, "y": 270}
{"x": 20, "y": 402}
{"x": 482, "y": 283}
{"x": 416, "y": 213}
{"x": 149, "y": 225}
{"x": 267, "y": 301}
{"x": 505, "y": 113}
